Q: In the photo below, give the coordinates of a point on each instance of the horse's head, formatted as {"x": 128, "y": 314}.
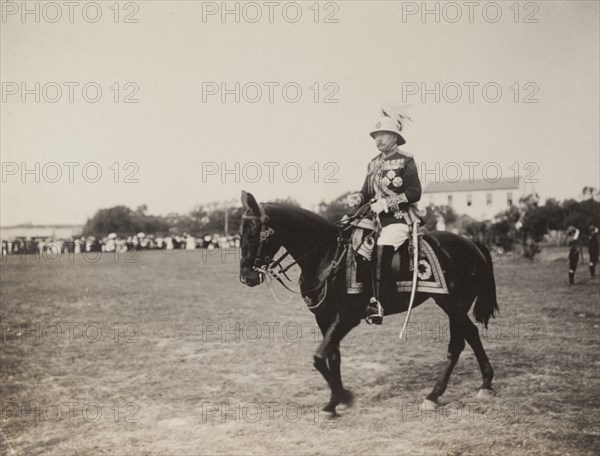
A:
{"x": 259, "y": 241}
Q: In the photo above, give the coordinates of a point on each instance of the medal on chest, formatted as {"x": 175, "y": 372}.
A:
{"x": 390, "y": 173}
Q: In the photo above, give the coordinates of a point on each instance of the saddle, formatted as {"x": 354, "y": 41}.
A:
{"x": 430, "y": 275}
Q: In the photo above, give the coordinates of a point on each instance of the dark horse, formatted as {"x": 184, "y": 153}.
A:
{"x": 313, "y": 243}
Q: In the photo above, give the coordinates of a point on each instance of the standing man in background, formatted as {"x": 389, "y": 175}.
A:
{"x": 593, "y": 249}
{"x": 573, "y": 243}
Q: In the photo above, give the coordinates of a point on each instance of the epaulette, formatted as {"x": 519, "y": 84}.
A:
{"x": 377, "y": 157}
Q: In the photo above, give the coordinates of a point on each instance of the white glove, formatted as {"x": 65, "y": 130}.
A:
{"x": 379, "y": 206}
{"x": 354, "y": 199}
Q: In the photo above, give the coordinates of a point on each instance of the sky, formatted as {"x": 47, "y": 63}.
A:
{"x": 282, "y": 106}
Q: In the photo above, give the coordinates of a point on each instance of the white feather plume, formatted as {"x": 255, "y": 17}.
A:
{"x": 397, "y": 113}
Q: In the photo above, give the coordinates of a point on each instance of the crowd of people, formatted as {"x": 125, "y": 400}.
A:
{"x": 113, "y": 242}
{"x": 141, "y": 241}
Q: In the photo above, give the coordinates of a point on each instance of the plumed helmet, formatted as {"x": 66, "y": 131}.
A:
{"x": 394, "y": 120}
{"x": 386, "y": 124}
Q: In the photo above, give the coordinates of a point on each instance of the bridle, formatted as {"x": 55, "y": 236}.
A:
{"x": 267, "y": 267}
{"x": 265, "y": 233}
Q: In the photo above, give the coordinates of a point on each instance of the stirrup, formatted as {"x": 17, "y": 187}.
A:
{"x": 374, "y": 312}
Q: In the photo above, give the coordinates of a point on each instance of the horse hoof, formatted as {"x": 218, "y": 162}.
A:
{"x": 485, "y": 394}
{"x": 347, "y": 398}
{"x": 329, "y": 408}
{"x": 428, "y": 405}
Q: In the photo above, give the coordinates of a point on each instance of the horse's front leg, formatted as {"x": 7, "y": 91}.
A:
{"x": 320, "y": 357}
{"x": 339, "y": 395}
{"x": 328, "y": 362}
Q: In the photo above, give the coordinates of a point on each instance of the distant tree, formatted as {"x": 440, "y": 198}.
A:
{"x": 216, "y": 220}
{"x": 448, "y": 214}
{"x": 123, "y": 221}
{"x": 197, "y": 220}
{"x": 502, "y": 230}
{"x": 581, "y": 214}
{"x": 590, "y": 193}
{"x": 539, "y": 220}
{"x": 336, "y": 209}
{"x": 235, "y": 219}
{"x": 187, "y": 223}
{"x": 478, "y": 231}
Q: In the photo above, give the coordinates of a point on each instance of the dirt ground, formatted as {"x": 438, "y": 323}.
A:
{"x": 171, "y": 355}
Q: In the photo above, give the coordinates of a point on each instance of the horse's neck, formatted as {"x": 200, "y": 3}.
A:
{"x": 310, "y": 245}
{"x": 311, "y": 254}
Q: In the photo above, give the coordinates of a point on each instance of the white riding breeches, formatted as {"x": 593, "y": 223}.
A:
{"x": 394, "y": 234}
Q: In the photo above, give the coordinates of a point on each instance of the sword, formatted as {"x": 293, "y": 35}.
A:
{"x": 415, "y": 271}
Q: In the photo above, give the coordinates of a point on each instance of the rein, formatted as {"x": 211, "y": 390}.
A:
{"x": 345, "y": 223}
{"x": 267, "y": 269}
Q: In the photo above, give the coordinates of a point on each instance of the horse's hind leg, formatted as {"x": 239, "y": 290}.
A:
{"x": 472, "y": 337}
{"x": 455, "y": 347}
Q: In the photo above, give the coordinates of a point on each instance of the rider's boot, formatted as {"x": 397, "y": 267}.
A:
{"x": 383, "y": 258}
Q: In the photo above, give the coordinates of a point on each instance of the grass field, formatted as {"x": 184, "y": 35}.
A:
{"x": 173, "y": 356}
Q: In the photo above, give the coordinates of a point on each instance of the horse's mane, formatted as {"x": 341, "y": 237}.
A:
{"x": 297, "y": 216}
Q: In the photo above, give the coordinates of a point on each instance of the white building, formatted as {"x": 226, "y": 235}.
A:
{"x": 480, "y": 199}
{"x": 40, "y": 231}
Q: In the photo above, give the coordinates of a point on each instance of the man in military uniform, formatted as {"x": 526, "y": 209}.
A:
{"x": 593, "y": 249}
{"x": 573, "y": 243}
{"x": 393, "y": 181}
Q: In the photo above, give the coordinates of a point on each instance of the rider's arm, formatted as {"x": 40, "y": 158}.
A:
{"x": 364, "y": 193}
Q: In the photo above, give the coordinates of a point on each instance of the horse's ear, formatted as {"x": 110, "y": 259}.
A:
{"x": 249, "y": 202}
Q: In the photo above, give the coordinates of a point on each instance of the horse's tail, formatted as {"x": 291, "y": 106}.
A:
{"x": 486, "y": 304}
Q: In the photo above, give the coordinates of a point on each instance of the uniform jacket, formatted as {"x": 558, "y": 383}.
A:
{"x": 593, "y": 245}
{"x": 573, "y": 243}
{"x": 395, "y": 178}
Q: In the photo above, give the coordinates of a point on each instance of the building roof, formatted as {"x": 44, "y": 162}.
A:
{"x": 505, "y": 183}
{"x": 29, "y": 225}
{"x": 36, "y": 231}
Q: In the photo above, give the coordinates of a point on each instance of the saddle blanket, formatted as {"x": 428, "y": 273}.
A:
{"x": 430, "y": 276}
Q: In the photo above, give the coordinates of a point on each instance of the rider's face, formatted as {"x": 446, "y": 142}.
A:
{"x": 385, "y": 140}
